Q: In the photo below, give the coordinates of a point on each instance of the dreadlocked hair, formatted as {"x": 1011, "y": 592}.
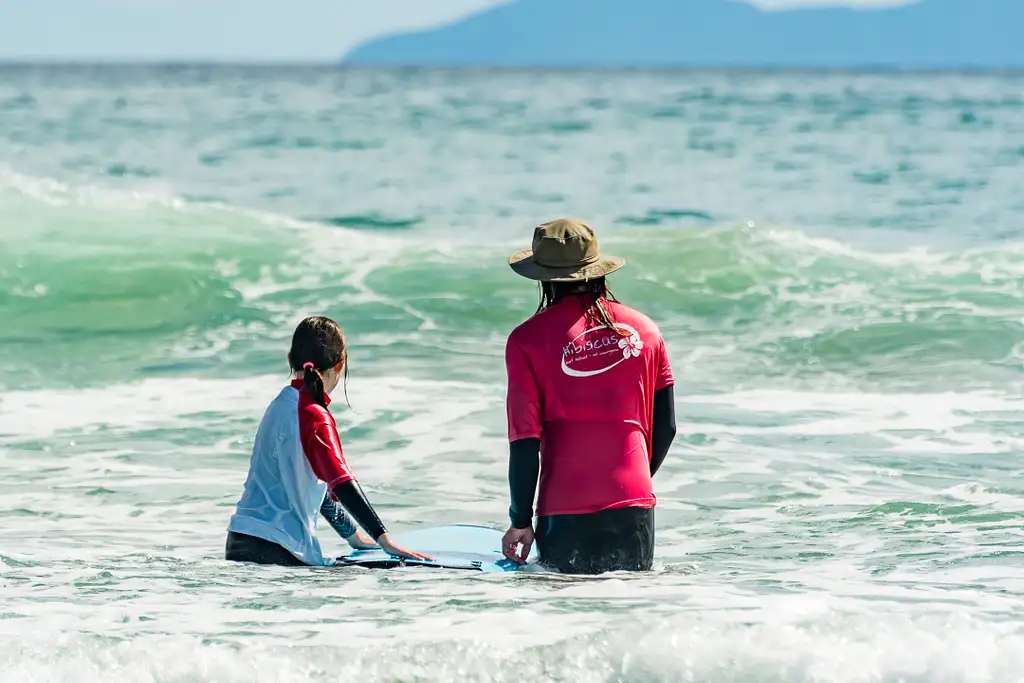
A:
{"x": 598, "y": 291}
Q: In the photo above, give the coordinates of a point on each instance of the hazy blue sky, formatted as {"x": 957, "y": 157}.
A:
{"x": 268, "y": 30}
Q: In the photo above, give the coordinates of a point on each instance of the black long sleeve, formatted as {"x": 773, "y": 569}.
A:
{"x": 523, "y": 471}
{"x": 350, "y": 495}
{"x": 663, "y": 427}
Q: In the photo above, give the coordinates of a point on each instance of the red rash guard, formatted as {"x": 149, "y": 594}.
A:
{"x": 320, "y": 441}
{"x": 587, "y": 392}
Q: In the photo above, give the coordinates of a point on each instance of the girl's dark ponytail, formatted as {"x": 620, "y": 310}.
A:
{"x": 314, "y": 383}
{"x": 318, "y": 345}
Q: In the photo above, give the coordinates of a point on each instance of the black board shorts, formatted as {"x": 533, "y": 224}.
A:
{"x": 621, "y": 539}
{"x": 245, "y": 548}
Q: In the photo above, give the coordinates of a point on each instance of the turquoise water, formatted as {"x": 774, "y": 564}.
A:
{"x": 836, "y": 261}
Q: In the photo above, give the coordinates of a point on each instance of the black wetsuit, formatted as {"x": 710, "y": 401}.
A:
{"x": 609, "y": 540}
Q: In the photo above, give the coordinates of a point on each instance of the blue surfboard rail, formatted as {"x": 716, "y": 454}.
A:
{"x": 455, "y": 546}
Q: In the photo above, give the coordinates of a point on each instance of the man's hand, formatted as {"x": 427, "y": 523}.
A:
{"x": 512, "y": 540}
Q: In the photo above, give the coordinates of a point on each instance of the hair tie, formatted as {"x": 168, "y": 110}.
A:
{"x": 308, "y": 366}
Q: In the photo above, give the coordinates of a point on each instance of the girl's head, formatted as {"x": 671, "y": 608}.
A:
{"x": 320, "y": 353}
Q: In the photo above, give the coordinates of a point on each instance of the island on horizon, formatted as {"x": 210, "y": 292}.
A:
{"x": 926, "y": 34}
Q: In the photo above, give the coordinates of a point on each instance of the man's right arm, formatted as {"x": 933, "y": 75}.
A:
{"x": 523, "y": 407}
{"x": 523, "y": 471}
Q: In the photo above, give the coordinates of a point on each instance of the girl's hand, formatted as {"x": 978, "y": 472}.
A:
{"x": 385, "y": 543}
{"x": 360, "y": 540}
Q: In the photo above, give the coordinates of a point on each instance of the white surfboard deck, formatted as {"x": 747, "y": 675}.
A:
{"x": 458, "y": 546}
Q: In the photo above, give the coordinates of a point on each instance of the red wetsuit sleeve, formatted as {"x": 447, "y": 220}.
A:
{"x": 523, "y": 401}
{"x": 663, "y": 376}
{"x": 322, "y": 446}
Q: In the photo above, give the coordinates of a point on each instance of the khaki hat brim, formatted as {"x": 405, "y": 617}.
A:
{"x": 523, "y": 264}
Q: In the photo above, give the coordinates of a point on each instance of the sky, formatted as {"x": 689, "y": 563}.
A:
{"x": 232, "y": 30}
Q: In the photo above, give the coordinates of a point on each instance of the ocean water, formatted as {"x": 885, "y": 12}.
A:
{"x": 836, "y": 261}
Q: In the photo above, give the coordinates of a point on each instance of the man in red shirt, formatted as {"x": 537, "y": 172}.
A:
{"x": 590, "y": 409}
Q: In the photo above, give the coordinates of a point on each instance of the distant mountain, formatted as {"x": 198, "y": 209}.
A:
{"x": 598, "y": 33}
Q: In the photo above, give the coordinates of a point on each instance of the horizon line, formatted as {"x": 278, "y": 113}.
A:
{"x": 324, "y": 65}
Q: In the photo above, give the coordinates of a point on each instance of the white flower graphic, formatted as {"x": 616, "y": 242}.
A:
{"x": 631, "y": 346}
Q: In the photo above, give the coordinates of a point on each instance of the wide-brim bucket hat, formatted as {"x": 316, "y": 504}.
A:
{"x": 564, "y": 250}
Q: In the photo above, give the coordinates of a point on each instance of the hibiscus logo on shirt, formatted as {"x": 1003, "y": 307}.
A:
{"x": 599, "y": 349}
{"x": 632, "y": 346}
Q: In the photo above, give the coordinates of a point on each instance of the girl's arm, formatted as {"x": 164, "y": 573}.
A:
{"x": 350, "y": 494}
{"x": 343, "y": 524}
{"x": 337, "y": 518}
{"x": 322, "y": 447}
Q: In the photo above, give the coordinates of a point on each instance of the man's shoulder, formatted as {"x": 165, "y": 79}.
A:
{"x": 621, "y": 313}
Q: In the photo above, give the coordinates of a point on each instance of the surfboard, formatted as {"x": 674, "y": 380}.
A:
{"x": 457, "y": 546}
